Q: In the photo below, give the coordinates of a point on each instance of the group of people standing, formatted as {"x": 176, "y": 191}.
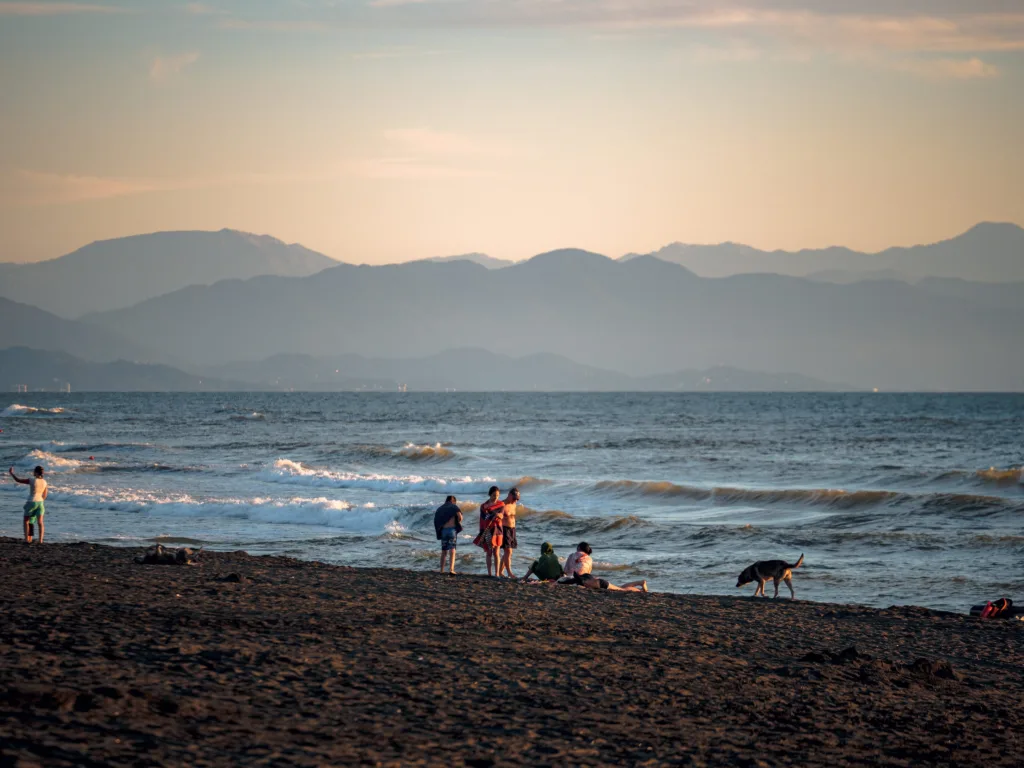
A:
{"x": 497, "y": 537}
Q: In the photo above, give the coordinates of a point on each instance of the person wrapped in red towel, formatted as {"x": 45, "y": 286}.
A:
{"x": 492, "y": 513}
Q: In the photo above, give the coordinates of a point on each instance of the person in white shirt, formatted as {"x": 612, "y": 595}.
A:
{"x": 578, "y": 567}
{"x": 34, "y": 507}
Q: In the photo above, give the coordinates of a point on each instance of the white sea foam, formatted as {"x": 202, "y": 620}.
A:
{"x": 294, "y": 473}
{"x": 332, "y": 513}
{"x": 49, "y": 462}
{"x": 26, "y": 410}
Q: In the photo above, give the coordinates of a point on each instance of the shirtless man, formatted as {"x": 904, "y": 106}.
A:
{"x": 508, "y": 536}
{"x": 34, "y": 507}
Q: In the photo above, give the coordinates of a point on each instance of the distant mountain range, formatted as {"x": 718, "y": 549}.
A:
{"x": 112, "y": 274}
{"x": 478, "y": 370}
{"x": 51, "y": 371}
{"x": 643, "y": 317}
{"x": 22, "y": 325}
{"x": 455, "y": 370}
{"x": 477, "y": 258}
{"x": 988, "y": 252}
{"x": 632, "y": 318}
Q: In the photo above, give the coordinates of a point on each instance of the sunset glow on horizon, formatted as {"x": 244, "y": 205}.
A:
{"x": 388, "y": 130}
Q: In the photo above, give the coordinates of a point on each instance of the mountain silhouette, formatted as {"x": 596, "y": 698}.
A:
{"x": 640, "y": 317}
{"x": 988, "y": 252}
{"x": 32, "y": 327}
{"x": 482, "y": 371}
{"x": 112, "y": 274}
{"x": 477, "y": 258}
{"x": 50, "y": 371}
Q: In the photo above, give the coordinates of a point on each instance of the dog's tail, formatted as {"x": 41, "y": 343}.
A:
{"x": 798, "y": 563}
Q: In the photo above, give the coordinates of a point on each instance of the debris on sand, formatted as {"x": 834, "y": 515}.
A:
{"x": 161, "y": 555}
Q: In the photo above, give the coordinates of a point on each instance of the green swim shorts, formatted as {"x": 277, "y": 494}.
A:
{"x": 34, "y": 510}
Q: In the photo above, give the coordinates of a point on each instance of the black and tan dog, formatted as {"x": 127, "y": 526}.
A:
{"x": 777, "y": 570}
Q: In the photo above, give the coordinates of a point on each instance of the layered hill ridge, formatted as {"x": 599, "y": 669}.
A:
{"x": 641, "y": 317}
{"x": 33, "y": 327}
{"x": 987, "y": 252}
{"x": 113, "y": 274}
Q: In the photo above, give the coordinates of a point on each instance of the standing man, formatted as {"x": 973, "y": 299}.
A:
{"x": 508, "y": 534}
{"x": 448, "y": 526}
{"x": 34, "y": 507}
{"x": 492, "y": 512}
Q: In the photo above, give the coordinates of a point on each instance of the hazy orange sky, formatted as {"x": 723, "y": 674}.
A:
{"x": 386, "y": 130}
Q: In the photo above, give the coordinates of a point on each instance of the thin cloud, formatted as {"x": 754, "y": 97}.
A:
{"x": 39, "y": 188}
{"x": 54, "y": 9}
{"x": 949, "y": 69}
{"x": 985, "y": 25}
{"x": 202, "y": 9}
{"x": 163, "y": 67}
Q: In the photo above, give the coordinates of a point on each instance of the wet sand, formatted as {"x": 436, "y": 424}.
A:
{"x": 247, "y": 660}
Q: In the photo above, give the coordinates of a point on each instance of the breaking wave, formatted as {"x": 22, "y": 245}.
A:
{"x": 320, "y": 511}
{"x": 828, "y": 498}
{"x": 26, "y": 410}
{"x": 435, "y": 452}
{"x": 294, "y": 473}
{"x": 995, "y": 476}
{"x": 49, "y": 462}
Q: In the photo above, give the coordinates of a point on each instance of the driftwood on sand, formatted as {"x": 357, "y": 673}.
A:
{"x": 161, "y": 555}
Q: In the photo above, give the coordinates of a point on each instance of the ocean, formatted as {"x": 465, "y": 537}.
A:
{"x": 892, "y": 498}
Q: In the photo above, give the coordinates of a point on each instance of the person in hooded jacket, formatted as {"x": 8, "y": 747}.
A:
{"x": 546, "y": 567}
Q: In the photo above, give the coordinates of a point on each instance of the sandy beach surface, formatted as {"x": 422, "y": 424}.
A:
{"x": 246, "y": 660}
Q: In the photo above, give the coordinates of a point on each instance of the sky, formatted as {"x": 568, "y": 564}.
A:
{"x": 386, "y": 130}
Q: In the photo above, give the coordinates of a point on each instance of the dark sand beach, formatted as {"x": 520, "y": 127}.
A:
{"x": 246, "y": 660}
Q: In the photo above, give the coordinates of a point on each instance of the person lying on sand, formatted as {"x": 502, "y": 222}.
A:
{"x": 546, "y": 567}
{"x": 492, "y": 512}
{"x": 508, "y": 533}
{"x": 34, "y": 508}
{"x": 577, "y": 570}
{"x": 448, "y": 526}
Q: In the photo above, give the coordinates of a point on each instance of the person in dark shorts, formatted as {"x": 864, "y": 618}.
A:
{"x": 508, "y": 533}
{"x": 577, "y": 571}
{"x": 448, "y": 526}
{"x": 546, "y": 567}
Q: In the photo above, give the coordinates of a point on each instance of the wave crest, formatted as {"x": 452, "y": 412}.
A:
{"x": 27, "y": 410}
{"x": 294, "y": 473}
{"x": 435, "y": 452}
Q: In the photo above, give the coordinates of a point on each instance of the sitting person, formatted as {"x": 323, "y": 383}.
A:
{"x": 546, "y": 567}
{"x": 579, "y": 563}
{"x": 578, "y": 568}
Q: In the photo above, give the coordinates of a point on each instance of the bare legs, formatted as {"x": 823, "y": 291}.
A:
{"x": 444, "y": 557}
{"x": 632, "y": 586}
{"x": 506, "y": 563}
{"x": 28, "y": 531}
{"x": 492, "y": 561}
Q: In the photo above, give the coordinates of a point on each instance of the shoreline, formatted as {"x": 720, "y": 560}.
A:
{"x": 248, "y": 659}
